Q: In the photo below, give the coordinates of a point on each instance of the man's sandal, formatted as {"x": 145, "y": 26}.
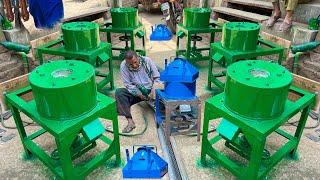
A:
{"x": 129, "y": 128}
{"x": 284, "y": 27}
{"x": 272, "y": 20}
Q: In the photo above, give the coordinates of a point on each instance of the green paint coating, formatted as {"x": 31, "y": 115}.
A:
{"x": 64, "y": 89}
{"x": 240, "y": 36}
{"x": 257, "y": 89}
{"x": 196, "y": 17}
{"x": 80, "y": 36}
{"x": 257, "y": 133}
{"x": 124, "y": 17}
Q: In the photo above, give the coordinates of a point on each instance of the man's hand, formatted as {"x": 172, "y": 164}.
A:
{"x": 142, "y": 97}
{"x": 156, "y": 85}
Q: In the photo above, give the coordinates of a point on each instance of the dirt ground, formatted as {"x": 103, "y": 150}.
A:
{"x": 14, "y": 166}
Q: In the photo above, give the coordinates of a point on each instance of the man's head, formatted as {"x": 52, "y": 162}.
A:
{"x": 132, "y": 60}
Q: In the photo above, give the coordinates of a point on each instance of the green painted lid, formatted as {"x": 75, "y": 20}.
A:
{"x": 196, "y": 17}
{"x": 124, "y": 17}
{"x": 259, "y": 74}
{"x": 80, "y": 36}
{"x": 63, "y": 89}
{"x": 257, "y": 89}
{"x": 240, "y": 36}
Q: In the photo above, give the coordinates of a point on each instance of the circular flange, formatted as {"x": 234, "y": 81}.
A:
{"x": 257, "y": 89}
{"x": 80, "y": 36}
{"x": 240, "y": 36}
{"x": 63, "y": 89}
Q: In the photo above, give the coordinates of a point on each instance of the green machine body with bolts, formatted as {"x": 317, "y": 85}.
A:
{"x": 196, "y": 23}
{"x": 240, "y": 41}
{"x": 81, "y": 41}
{"x": 125, "y": 21}
{"x": 67, "y": 106}
{"x": 254, "y": 105}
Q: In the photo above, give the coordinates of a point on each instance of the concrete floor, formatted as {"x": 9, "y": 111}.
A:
{"x": 13, "y": 166}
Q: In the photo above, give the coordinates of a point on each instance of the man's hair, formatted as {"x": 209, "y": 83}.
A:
{"x": 130, "y": 54}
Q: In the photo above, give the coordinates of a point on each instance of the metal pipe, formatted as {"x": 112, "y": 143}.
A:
{"x": 17, "y": 14}
{"x": 174, "y": 175}
{"x": 25, "y": 60}
{"x": 24, "y": 10}
{"x": 8, "y": 8}
{"x": 296, "y": 62}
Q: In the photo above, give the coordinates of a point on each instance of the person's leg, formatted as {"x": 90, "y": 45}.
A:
{"x": 276, "y": 13}
{"x": 290, "y": 7}
{"x": 124, "y": 101}
{"x": 287, "y": 22}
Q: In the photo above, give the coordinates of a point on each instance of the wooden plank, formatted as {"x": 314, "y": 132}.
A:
{"x": 308, "y": 85}
{"x": 275, "y": 39}
{"x": 43, "y": 40}
{"x": 87, "y": 12}
{"x": 260, "y": 4}
{"x": 12, "y": 85}
{"x": 278, "y": 41}
{"x": 240, "y": 14}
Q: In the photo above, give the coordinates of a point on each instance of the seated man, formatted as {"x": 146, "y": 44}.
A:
{"x": 139, "y": 75}
{"x": 276, "y": 14}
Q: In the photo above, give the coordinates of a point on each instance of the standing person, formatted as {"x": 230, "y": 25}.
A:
{"x": 276, "y": 13}
{"x": 140, "y": 76}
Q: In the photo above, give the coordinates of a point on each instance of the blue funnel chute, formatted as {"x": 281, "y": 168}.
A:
{"x": 145, "y": 163}
{"x": 160, "y": 33}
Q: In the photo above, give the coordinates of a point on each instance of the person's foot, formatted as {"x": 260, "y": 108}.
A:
{"x": 287, "y": 22}
{"x": 272, "y": 20}
{"x": 285, "y": 26}
{"x": 129, "y": 128}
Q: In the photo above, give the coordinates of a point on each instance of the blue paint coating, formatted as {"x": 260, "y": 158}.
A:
{"x": 161, "y": 33}
{"x": 46, "y": 13}
{"x": 145, "y": 163}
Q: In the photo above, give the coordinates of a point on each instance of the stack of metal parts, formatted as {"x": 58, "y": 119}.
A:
{"x": 240, "y": 41}
{"x": 196, "y": 23}
{"x": 254, "y": 105}
{"x": 66, "y": 105}
{"x": 81, "y": 41}
{"x": 178, "y": 108}
{"x": 125, "y": 21}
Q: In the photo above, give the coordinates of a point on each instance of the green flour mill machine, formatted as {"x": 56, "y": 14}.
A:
{"x": 81, "y": 41}
{"x": 125, "y": 22}
{"x": 196, "y": 23}
{"x": 254, "y": 105}
{"x": 67, "y": 106}
{"x": 240, "y": 40}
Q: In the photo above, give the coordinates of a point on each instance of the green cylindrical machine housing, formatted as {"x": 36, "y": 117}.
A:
{"x": 64, "y": 90}
{"x": 240, "y": 36}
{"x": 257, "y": 89}
{"x": 196, "y": 17}
{"x": 124, "y": 17}
{"x": 80, "y": 36}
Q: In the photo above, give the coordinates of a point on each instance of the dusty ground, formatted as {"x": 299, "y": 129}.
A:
{"x": 13, "y": 166}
